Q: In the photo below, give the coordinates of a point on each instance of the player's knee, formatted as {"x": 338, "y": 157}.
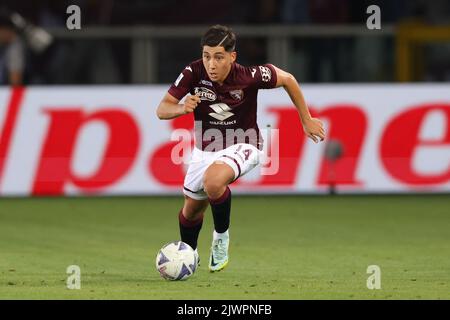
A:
{"x": 213, "y": 187}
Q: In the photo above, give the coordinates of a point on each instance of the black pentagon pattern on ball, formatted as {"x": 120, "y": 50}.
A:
{"x": 184, "y": 272}
{"x": 182, "y": 246}
{"x": 162, "y": 259}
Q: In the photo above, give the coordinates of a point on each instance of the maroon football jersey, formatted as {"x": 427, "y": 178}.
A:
{"x": 226, "y": 114}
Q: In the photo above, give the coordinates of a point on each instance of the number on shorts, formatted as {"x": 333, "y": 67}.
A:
{"x": 247, "y": 153}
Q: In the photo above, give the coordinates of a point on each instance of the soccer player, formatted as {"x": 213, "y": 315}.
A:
{"x": 228, "y": 143}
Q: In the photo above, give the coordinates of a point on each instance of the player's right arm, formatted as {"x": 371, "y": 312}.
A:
{"x": 170, "y": 108}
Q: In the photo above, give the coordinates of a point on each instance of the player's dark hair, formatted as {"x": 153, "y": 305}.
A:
{"x": 219, "y": 35}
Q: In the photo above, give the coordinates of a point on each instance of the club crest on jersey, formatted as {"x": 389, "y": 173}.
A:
{"x": 205, "y": 93}
{"x": 237, "y": 94}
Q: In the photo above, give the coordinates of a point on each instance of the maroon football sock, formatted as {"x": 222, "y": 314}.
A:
{"x": 221, "y": 209}
{"x": 189, "y": 230}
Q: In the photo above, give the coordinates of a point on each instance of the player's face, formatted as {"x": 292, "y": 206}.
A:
{"x": 217, "y": 62}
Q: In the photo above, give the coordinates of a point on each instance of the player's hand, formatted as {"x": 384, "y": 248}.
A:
{"x": 190, "y": 103}
{"x": 314, "y": 129}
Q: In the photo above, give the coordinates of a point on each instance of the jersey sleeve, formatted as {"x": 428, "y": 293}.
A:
{"x": 183, "y": 84}
{"x": 265, "y": 76}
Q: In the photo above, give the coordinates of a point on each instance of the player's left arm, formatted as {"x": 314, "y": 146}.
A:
{"x": 313, "y": 127}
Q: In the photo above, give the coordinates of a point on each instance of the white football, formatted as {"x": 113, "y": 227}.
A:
{"x": 176, "y": 261}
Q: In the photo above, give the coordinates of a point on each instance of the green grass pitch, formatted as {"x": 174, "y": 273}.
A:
{"x": 296, "y": 247}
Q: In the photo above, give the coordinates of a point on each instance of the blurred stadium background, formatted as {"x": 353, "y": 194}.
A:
{"x": 78, "y": 126}
{"x": 319, "y": 41}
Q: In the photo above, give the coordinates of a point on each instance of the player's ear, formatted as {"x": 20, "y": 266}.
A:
{"x": 233, "y": 56}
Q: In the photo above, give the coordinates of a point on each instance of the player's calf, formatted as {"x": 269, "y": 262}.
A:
{"x": 191, "y": 220}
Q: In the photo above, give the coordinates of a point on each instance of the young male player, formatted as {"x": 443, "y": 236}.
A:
{"x": 223, "y": 96}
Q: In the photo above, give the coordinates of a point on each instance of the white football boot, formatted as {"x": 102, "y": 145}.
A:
{"x": 219, "y": 251}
